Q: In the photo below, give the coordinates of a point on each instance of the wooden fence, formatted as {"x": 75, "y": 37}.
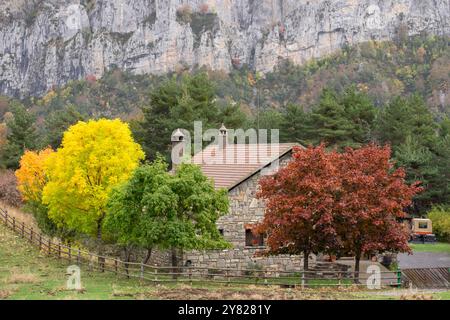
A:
{"x": 428, "y": 278}
{"x": 191, "y": 274}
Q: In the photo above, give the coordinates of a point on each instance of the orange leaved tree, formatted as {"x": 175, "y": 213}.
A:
{"x": 31, "y": 177}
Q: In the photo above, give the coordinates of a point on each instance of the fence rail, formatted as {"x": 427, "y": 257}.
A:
{"x": 191, "y": 274}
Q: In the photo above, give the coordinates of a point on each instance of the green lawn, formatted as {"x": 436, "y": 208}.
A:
{"x": 442, "y": 295}
{"x": 439, "y": 247}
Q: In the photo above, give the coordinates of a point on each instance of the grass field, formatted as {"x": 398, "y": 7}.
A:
{"x": 439, "y": 247}
{"x": 26, "y": 273}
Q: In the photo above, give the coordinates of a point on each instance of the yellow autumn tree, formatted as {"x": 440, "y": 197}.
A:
{"x": 94, "y": 157}
{"x": 31, "y": 177}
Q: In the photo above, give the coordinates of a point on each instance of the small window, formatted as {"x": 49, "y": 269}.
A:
{"x": 423, "y": 225}
{"x": 221, "y": 232}
{"x": 252, "y": 240}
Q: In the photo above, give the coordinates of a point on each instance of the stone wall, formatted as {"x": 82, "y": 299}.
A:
{"x": 245, "y": 258}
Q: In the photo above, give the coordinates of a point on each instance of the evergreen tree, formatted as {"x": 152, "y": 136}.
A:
{"x": 293, "y": 127}
{"x": 341, "y": 120}
{"x": 404, "y": 117}
{"x": 177, "y": 104}
{"x": 420, "y": 146}
{"x": 21, "y": 135}
{"x": 57, "y": 123}
{"x": 419, "y": 163}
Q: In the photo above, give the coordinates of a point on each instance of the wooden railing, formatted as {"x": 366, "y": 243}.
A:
{"x": 95, "y": 262}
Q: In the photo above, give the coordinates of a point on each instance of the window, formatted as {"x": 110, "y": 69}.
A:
{"x": 423, "y": 225}
{"x": 252, "y": 240}
{"x": 221, "y": 232}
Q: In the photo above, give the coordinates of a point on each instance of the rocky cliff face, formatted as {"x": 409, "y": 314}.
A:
{"x": 47, "y": 43}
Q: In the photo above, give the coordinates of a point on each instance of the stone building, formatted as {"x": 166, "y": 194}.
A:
{"x": 238, "y": 168}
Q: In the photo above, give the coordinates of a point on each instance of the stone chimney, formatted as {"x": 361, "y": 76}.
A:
{"x": 223, "y": 137}
{"x": 178, "y": 144}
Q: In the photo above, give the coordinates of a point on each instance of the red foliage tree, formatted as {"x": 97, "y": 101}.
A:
{"x": 328, "y": 201}
{"x": 372, "y": 202}
{"x": 300, "y": 204}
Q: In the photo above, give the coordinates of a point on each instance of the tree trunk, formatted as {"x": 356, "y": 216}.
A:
{"x": 174, "y": 263}
{"x": 101, "y": 259}
{"x": 127, "y": 259}
{"x": 357, "y": 260}
{"x": 305, "y": 260}
{"x": 147, "y": 257}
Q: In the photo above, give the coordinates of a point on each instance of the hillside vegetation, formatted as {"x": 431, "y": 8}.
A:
{"x": 419, "y": 64}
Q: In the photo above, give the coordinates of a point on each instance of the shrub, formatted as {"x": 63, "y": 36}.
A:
{"x": 8, "y": 189}
{"x": 440, "y": 217}
{"x": 184, "y": 14}
{"x": 204, "y": 8}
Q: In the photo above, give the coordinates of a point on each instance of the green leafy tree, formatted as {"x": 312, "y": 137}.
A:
{"x": 137, "y": 210}
{"x": 440, "y": 217}
{"x": 21, "y": 135}
{"x": 156, "y": 209}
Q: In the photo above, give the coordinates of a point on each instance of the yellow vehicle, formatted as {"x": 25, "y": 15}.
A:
{"x": 422, "y": 230}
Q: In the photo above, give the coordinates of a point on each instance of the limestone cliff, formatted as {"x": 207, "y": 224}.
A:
{"x": 47, "y": 43}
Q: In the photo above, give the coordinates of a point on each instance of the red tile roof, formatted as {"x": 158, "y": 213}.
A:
{"x": 231, "y": 165}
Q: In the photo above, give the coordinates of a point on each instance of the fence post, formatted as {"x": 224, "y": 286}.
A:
{"x": 142, "y": 271}
{"x": 90, "y": 262}
{"x": 31, "y": 235}
{"x": 40, "y": 242}
{"x": 101, "y": 263}
{"x": 14, "y": 223}
{"x": 79, "y": 257}
{"x": 49, "y": 243}
{"x": 303, "y": 279}
{"x": 70, "y": 252}
{"x": 59, "y": 250}
{"x": 399, "y": 278}
{"x": 23, "y": 229}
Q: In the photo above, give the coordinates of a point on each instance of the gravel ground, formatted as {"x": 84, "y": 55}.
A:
{"x": 424, "y": 260}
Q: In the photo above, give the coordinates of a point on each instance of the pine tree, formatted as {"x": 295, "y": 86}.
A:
{"x": 341, "y": 120}
{"x": 420, "y": 146}
{"x": 177, "y": 104}
{"x": 21, "y": 136}
{"x": 58, "y": 122}
{"x": 419, "y": 163}
{"x": 293, "y": 126}
{"x": 405, "y": 117}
